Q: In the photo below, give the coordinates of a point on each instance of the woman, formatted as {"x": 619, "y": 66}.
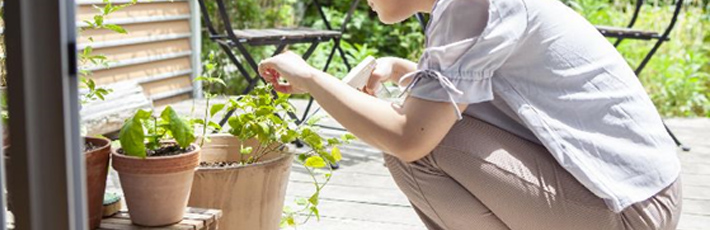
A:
{"x": 550, "y": 128}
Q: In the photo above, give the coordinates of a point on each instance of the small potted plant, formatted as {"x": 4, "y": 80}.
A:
{"x": 245, "y": 172}
{"x": 156, "y": 165}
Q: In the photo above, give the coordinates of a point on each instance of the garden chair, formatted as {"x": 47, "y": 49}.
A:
{"x": 234, "y": 42}
{"x": 628, "y": 32}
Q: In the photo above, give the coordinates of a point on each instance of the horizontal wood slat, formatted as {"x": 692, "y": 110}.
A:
{"x": 139, "y": 20}
{"x": 143, "y": 50}
{"x": 142, "y": 10}
{"x": 134, "y": 41}
{"x": 171, "y": 100}
{"x": 140, "y": 60}
{"x": 142, "y": 71}
{"x": 167, "y": 85}
{"x": 89, "y": 2}
{"x": 137, "y": 30}
{"x": 174, "y": 93}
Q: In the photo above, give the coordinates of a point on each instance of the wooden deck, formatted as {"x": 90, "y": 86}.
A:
{"x": 362, "y": 195}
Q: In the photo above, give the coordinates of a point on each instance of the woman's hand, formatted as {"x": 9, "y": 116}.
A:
{"x": 290, "y": 67}
{"x": 388, "y": 69}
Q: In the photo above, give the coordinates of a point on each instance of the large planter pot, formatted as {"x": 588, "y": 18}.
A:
{"x": 250, "y": 196}
{"x": 96, "y": 172}
{"x": 156, "y": 188}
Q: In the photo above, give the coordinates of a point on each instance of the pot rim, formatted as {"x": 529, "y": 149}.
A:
{"x": 100, "y": 148}
{"x": 283, "y": 155}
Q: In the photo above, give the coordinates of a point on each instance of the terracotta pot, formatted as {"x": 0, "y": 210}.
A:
{"x": 156, "y": 188}
{"x": 96, "y": 172}
{"x": 250, "y": 196}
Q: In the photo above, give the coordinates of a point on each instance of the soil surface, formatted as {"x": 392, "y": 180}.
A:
{"x": 88, "y": 146}
{"x": 168, "y": 149}
{"x": 220, "y": 164}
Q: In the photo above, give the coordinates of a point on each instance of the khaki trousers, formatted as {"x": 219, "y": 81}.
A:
{"x": 482, "y": 177}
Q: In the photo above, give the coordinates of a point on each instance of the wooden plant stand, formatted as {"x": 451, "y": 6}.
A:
{"x": 194, "y": 219}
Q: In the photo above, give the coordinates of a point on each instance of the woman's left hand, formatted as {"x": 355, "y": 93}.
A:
{"x": 289, "y": 66}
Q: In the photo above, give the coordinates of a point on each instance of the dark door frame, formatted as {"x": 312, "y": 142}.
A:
{"x": 45, "y": 170}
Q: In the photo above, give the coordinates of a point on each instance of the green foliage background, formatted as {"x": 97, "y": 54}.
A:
{"x": 677, "y": 78}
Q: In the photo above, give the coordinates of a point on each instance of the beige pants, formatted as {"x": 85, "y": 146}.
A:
{"x": 482, "y": 177}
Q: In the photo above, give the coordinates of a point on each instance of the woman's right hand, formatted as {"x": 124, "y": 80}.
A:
{"x": 388, "y": 69}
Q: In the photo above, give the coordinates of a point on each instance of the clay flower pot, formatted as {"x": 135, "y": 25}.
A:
{"x": 250, "y": 196}
{"x": 96, "y": 171}
{"x": 156, "y": 188}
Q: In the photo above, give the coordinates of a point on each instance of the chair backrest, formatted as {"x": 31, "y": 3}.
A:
{"x": 214, "y": 34}
{"x": 348, "y": 16}
{"x": 224, "y": 16}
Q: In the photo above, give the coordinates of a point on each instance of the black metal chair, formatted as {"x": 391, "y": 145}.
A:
{"x": 234, "y": 41}
{"x": 628, "y": 32}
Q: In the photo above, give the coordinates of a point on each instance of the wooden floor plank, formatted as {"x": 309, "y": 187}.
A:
{"x": 694, "y": 222}
{"x": 339, "y": 215}
{"x": 363, "y": 195}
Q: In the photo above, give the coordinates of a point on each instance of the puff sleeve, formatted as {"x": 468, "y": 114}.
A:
{"x": 467, "y": 41}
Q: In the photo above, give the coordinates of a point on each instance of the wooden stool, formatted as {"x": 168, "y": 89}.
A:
{"x": 194, "y": 219}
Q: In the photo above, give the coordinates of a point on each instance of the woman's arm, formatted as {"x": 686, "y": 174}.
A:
{"x": 409, "y": 132}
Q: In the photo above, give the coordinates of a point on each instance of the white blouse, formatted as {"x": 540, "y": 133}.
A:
{"x": 538, "y": 69}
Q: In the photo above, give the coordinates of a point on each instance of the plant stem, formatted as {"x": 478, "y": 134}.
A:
{"x": 204, "y": 126}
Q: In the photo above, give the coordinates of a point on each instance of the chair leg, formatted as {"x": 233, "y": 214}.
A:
{"x": 252, "y": 81}
{"x": 675, "y": 139}
{"x": 236, "y": 62}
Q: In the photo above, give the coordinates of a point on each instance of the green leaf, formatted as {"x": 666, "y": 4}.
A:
{"x": 215, "y": 109}
{"x": 302, "y": 157}
{"x": 98, "y": 20}
{"x": 180, "y": 129}
{"x": 333, "y": 141}
{"x": 132, "y": 136}
{"x": 106, "y": 7}
{"x": 214, "y": 125}
{"x": 198, "y": 121}
{"x": 289, "y": 136}
{"x": 142, "y": 114}
{"x": 314, "y": 210}
{"x": 91, "y": 84}
{"x": 315, "y": 162}
{"x": 301, "y": 201}
{"x": 335, "y": 152}
{"x": 315, "y": 119}
{"x": 326, "y": 156}
{"x": 236, "y": 125}
{"x": 209, "y": 66}
{"x": 275, "y": 119}
{"x": 88, "y": 50}
{"x": 115, "y": 28}
{"x": 263, "y": 128}
{"x": 348, "y": 137}
{"x": 220, "y": 81}
{"x": 287, "y": 209}
{"x": 264, "y": 110}
{"x": 314, "y": 199}
{"x": 246, "y": 150}
{"x": 314, "y": 141}
{"x": 201, "y": 78}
